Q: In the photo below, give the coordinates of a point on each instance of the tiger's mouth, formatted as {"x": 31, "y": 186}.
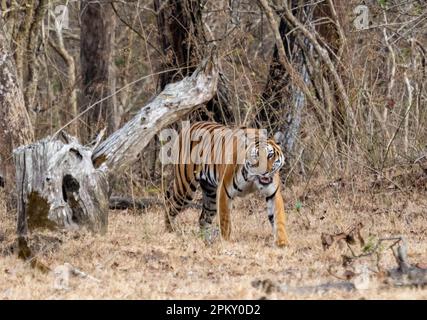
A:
{"x": 265, "y": 180}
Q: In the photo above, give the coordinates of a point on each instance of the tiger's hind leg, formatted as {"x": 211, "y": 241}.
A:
{"x": 209, "y": 205}
{"x": 176, "y": 201}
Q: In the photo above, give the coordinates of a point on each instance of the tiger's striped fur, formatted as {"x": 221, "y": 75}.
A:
{"x": 224, "y": 175}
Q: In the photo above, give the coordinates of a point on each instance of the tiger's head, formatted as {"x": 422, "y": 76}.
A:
{"x": 263, "y": 159}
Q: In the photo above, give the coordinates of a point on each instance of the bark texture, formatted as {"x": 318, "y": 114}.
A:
{"x": 15, "y": 124}
{"x": 282, "y": 100}
{"x": 121, "y": 149}
{"x": 62, "y": 184}
{"x": 182, "y": 40}
{"x": 181, "y": 37}
{"x": 59, "y": 187}
{"x": 96, "y": 36}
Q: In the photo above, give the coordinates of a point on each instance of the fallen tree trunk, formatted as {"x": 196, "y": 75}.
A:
{"x": 121, "y": 149}
{"x": 122, "y": 203}
{"x": 62, "y": 184}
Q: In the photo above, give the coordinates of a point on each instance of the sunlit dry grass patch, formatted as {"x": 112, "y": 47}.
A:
{"x": 138, "y": 260}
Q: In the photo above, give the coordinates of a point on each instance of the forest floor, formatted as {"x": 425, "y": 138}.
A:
{"x": 137, "y": 259}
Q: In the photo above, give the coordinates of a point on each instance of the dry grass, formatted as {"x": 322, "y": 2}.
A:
{"x": 138, "y": 260}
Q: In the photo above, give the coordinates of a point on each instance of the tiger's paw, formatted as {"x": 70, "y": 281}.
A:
{"x": 226, "y": 232}
{"x": 280, "y": 243}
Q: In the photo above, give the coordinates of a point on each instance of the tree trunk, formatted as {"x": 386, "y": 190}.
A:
{"x": 26, "y": 40}
{"x": 181, "y": 37}
{"x": 282, "y": 102}
{"x": 15, "y": 124}
{"x": 59, "y": 187}
{"x": 183, "y": 42}
{"x": 72, "y": 105}
{"x": 32, "y": 65}
{"x": 62, "y": 184}
{"x": 329, "y": 33}
{"x": 96, "y": 36}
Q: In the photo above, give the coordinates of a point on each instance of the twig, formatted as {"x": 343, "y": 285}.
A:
{"x": 76, "y": 272}
{"x": 410, "y": 89}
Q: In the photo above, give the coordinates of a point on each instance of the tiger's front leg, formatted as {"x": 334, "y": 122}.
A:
{"x": 223, "y": 207}
{"x": 276, "y": 213}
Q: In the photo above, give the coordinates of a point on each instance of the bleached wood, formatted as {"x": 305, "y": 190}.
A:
{"x": 58, "y": 186}
{"x": 122, "y": 147}
{"x": 62, "y": 184}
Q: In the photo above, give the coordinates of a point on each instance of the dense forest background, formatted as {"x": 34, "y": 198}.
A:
{"x": 340, "y": 83}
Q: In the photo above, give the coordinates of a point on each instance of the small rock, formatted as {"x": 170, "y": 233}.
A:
{"x": 62, "y": 277}
{"x": 362, "y": 279}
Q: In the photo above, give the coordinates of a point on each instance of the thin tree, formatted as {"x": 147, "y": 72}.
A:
{"x": 183, "y": 40}
{"x": 27, "y": 38}
{"x": 332, "y": 35}
{"x": 15, "y": 124}
{"x": 282, "y": 101}
{"x": 96, "y": 37}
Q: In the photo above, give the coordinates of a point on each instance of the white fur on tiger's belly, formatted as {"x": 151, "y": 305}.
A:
{"x": 265, "y": 189}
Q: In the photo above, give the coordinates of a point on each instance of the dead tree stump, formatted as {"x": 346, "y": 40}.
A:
{"x": 64, "y": 185}
{"x": 58, "y": 186}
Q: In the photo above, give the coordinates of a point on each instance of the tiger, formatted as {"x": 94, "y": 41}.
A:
{"x": 226, "y": 162}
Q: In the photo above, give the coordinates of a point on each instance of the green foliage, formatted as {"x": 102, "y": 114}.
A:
{"x": 298, "y": 206}
{"x": 120, "y": 61}
{"x": 382, "y": 3}
{"x": 418, "y": 8}
{"x": 56, "y": 86}
{"x": 405, "y": 55}
{"x": 369, "y": 245}
{"x": 152, "y": 190}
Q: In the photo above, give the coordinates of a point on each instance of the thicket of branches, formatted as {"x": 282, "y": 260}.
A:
{"x": 340, "y": 98}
